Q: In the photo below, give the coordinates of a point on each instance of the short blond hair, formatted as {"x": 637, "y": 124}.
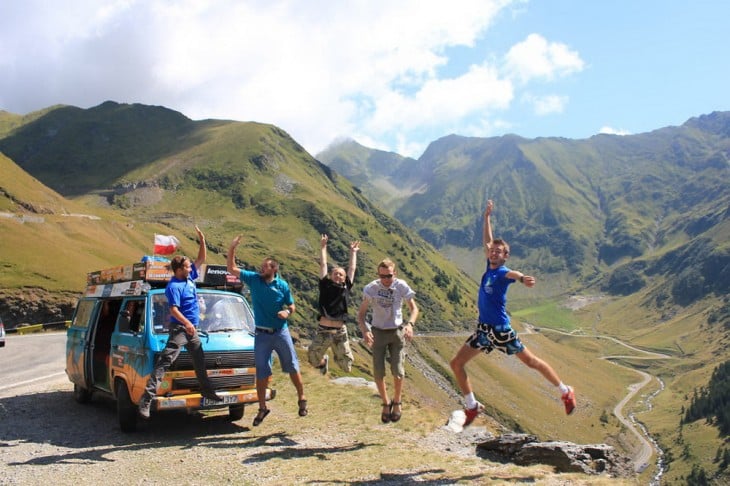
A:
{"x": 387, "y": 263}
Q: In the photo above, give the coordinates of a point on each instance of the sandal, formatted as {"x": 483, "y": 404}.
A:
{"x": 385, "y": 416}
{"x": 394, "y": 416}
{"x": 303, "y": 408}
{"x": 263, "y": 412}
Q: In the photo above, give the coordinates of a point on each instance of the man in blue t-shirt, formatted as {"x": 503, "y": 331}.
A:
{"x": 182, "y": 298}
{"x": 494, "y": 330}
{"x": 272, "y": 305}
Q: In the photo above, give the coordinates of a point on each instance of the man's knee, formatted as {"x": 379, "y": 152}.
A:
{"x": 533, "y": 361}
{"x": 457, "y": 363}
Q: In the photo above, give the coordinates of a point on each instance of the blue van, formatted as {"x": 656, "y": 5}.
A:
{"x": 121, "y": 323}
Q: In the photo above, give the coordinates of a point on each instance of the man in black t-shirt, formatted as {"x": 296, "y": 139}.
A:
{"x": 334, "y": 294}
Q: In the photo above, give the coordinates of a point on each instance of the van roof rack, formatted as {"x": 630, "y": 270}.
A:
{"x": 139, "y": 277}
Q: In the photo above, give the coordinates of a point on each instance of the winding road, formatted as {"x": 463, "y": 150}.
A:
{"x": 646, "y": 449}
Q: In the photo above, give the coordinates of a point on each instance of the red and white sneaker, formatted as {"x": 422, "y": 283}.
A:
{"x": 569, "y": 400}
{"x": 471, "y": 413}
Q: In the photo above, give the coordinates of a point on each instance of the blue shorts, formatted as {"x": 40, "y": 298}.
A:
{"x": 487, "y": 339}
{"x": 266, "y": 343}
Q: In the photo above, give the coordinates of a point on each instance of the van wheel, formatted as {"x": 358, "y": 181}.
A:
{"x": 126, "y": 410}
{"x": 235, "y": 412}
{"x": 81, "y": 395}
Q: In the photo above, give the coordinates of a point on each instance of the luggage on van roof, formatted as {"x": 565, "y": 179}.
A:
{"x": 139, "y": 277}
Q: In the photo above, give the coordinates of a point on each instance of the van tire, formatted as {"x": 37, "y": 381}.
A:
{"x": 126, "y": 410}
{"x": 81, "y": 395}
{"x": 235, "y": 412}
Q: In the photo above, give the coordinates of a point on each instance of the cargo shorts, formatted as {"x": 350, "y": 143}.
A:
{"x": 335, "y": 338}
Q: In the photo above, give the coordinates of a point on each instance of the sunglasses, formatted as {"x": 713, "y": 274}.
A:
{"x": 388, "y": 275}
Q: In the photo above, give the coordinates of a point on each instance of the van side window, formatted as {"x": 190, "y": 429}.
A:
{"x": 83, "y": 313}
{"x": 132, "y": 316}
{"x": 160, "y": 314}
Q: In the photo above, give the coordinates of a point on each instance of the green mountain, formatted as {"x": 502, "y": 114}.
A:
{"x": 589, "y": 208}
{"x": 382, "y": 176}
{"x": 634, "y": 230}
{"x": 146, "y": 170}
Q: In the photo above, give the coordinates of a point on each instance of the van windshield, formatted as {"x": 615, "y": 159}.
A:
{"x": 219, "y": 312}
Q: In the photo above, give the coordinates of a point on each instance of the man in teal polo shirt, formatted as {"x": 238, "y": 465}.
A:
{"x": 272, "y": 305}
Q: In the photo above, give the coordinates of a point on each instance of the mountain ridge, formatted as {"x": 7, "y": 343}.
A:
{"x": 229, "y": 177}
{"x": 645, "y": 231}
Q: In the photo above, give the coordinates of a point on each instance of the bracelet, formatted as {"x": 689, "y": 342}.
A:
{"x": 411, "y": 323}
{"x": 522, "y": 279}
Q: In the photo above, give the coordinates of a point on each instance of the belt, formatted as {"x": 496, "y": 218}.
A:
{"x": 329, "y": 329}
{"x": 265, "y": 330}
{"x": 389, "y": 329}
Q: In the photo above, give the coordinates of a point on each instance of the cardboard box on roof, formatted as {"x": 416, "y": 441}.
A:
{"x": 156, "y": 271}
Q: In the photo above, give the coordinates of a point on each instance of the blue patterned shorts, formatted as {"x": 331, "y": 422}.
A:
{"x": 486, "y": 339}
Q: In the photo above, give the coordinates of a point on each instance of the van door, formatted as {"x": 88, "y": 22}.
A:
{"x": 100, "y": 346}
{"x": 78, "y": 338}
{"x": 128, "y": 354}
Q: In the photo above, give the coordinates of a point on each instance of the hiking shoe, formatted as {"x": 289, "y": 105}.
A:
{"x": 324, "y": 368}
{"x": 471, "y": 413}
{"x": 569, "y": 400}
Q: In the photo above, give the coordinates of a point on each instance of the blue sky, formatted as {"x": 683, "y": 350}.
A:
{"x": 391, "y": 75}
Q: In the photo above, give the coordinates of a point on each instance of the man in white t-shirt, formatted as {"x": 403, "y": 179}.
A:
{"x": 387, "y": 332}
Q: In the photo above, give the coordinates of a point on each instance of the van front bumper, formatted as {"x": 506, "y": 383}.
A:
{"x": 194, "y": 401}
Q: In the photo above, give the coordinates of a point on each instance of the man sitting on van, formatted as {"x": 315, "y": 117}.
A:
{"x": 184, "y": 319}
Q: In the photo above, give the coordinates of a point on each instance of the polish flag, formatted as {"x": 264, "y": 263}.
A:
{"x": 166, "y": 245}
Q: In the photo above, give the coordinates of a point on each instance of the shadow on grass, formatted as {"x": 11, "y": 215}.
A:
{"x": 90, "y": 433}
{"x": 415, "y": 477}
{"x": 321, "y": 453}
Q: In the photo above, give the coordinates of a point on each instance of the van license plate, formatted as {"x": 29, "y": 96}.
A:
{"x": 227, "y": 399}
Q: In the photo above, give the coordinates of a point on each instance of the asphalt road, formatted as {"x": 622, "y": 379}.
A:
{"x": 31, "y": 359}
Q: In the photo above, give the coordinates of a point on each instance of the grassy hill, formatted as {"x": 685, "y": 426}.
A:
{"x": 385, "y": 177}
{"x": 639, "y": 223}
{"x": 139, "y": 170}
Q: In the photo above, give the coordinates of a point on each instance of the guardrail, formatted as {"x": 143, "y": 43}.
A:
{"x": 39, "y": 327}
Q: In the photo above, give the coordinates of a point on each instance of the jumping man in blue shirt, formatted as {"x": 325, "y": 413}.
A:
{"x": 494, "y": 330}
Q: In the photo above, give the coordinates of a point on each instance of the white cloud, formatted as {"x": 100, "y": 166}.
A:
{"x": 318, "y": 69}
{"x": 613, "y": 131}
{"x": 440, "y": 101}
{"x": 535, "y": 57}
{"x": 546, "y": 105}
{"x": 485, "y": 127}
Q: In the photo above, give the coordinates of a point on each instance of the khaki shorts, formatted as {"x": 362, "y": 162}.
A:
{"x": 336, "y": 339}
{"x": 392, "y": 341}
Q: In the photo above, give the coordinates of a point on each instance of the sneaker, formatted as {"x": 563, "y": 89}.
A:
{"x": 144, "y": 410}
{"x": 569, "y": 400}
{"x": 324, "y": 368}
{"x": 471, "y": 413}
